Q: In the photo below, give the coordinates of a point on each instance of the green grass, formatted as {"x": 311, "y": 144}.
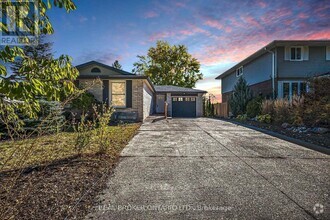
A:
{"x": 47, "y": 149}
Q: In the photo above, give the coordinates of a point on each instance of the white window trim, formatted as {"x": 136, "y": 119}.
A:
{"x": 280, "y": 87}
{"x": 327, "y": 53}
{"x": 110, "y": 92}
{"x": 301, "y": 54}
{"x": 237, "y": 70}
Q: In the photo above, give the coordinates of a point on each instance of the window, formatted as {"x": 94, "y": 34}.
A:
{"x": 296, "y": 53}
{"x": 295, "y": 88}
{"x": 175, "y": 99}
{"x": 192, "y": 99}
{"x": 187, "y": 99}
{"x": 118, "y": 94}
{"x": 286, "y": 90}
{"x": 290, "y": 88}
{"x": 95, "y": 70}
{"x": 327, "y": 53}
{"x": 180, "y": 99}
{"x": 239, "y": 71}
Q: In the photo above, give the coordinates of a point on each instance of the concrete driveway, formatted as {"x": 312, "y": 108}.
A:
{"x": 210, "y": 169}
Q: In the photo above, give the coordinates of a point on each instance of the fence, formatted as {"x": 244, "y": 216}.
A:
{"x": 221, "y": 109}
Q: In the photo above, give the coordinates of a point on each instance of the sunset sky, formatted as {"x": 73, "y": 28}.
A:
{"x": 219, "y": 33}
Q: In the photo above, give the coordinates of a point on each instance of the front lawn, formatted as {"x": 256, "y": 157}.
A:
{"x": 46, "y": 178}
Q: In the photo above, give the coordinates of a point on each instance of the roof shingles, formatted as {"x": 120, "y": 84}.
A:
{"x": 177, "y": 89}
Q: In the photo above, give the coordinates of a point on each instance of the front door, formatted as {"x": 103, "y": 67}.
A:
{"x": 160, "y": 104}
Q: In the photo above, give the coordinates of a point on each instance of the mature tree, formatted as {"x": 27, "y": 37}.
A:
{"x": 117, "y": 65}
{"x": 169, "y": 65}
{"x": 38, "y": 52}
{"x": 240, "y": 97}
{"x": 36, "y": 77}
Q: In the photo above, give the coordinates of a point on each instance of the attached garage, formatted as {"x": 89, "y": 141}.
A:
{"x": 181, "y": 102}
{"x": 184, "y": 107}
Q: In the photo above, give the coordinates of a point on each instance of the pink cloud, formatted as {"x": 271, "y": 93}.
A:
{"x": 151, "y": 14}
{"x": 180, "y": 4}
{"x": 272, "y": 17}
{"x": 302, "y": 15}
{"x": 251, "y": 21}
{"x": 236, "y": 48}
{"x": 235, "y": 22}
{"x": 228, "y": 29}
{"x": 213, "y": 23}
{"x": 288, "y": 22}
{"x": 189, "y": 31}
{"x": 161, "y": 35}
{"x": 262, "y": 4}
{"x": 319, "y": 35}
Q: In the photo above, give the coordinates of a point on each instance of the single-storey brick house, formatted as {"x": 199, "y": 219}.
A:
{"x": 135, "y": 97}
{"x": 280, "y": 69}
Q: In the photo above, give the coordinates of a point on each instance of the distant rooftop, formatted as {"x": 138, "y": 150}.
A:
{"x": 177, "y": 89}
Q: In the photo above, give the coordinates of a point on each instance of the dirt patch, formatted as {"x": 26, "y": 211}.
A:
{"x": 45, "y": 177}
{"x": 60, "y": 191}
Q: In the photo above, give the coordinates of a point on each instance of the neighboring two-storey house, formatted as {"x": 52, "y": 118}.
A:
{"x": 279, "y": 69}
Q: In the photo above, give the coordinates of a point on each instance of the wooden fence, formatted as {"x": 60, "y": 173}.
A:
{"x": 221, "y": 109}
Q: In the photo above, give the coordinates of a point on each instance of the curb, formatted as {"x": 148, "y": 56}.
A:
{"x": 158, "y": 119}
{"x": 305, "y": 144}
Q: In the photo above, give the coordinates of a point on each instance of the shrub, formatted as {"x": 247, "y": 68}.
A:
{"x": 103, "y": 119}
{"x": 84, "y": 102}
{"x": 267, "y": 107}
{"x": 208, "y": 107}
{"x": 241, "y": 117}
{"x": 297, "y": 110}
{"x": 49, "y": 118}
{"x": 282, "y": 111}
{"x": 83, "y": 131}
{"x": 317, "y": 102}
{"x": 267, "y": 118}
{"x": 240, "y": 97}
{"x": 253, "y": 107}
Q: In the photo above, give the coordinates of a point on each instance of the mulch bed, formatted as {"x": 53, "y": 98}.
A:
{"x": 310, "y": 137}
{"x": 62, "y": 190}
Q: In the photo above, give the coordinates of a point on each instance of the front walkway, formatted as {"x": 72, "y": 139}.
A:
{"x": 207, "y": 168}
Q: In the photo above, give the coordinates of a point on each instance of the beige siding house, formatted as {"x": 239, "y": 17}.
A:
{"x": 134, "y": 96}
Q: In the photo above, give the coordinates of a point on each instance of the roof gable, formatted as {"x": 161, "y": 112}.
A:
{"x": 105, "y": 70}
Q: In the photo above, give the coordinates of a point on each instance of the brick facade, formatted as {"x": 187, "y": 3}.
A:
{"x": 137, "y": 94}
{"x": 137, "y": 99}
{"x": 263, "y": 88}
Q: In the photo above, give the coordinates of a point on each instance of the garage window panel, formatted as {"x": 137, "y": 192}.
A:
{"x": 180, "y": 99}
{"x": 192, "y": 99}
{"x": 175, "y": 99}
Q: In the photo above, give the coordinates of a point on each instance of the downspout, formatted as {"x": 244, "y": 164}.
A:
{"x": 273, "y": 70}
